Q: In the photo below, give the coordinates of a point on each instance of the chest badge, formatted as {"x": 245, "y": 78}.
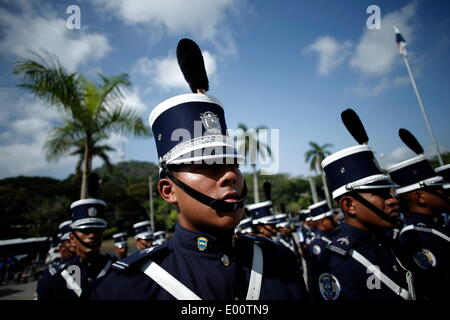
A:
{"x": 329, "y": 286}
{"x": 425, "y": 259}
{"x": 202, "y": 243}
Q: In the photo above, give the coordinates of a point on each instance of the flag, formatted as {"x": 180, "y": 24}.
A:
{"x": 401, "y": 43}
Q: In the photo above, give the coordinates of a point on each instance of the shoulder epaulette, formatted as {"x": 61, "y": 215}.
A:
{"x": 56, "y": 268}
{"x": 341, "y": 245}
{"x": 127, "y": 262}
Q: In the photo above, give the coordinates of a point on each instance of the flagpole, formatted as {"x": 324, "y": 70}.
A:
{"x": 427, "y": 121}
{"x": 422, "y": 107}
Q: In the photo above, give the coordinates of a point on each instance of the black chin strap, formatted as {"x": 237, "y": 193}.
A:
{"x": 87, "y": 245}
{"x": 383, "y": 215}
{"x": 216, "y": 204}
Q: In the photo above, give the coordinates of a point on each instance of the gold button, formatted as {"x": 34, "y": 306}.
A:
{"x": 225, "y": 260}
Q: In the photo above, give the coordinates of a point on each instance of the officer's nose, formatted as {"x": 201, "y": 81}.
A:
{"x": 229, "y": 177}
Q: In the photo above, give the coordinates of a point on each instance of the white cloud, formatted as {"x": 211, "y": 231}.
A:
{"x": 202, "y": 19}
{"x": 376, "y": 52}
{"x": 165, "y": 72}
{"x": 385, "y": 83}
{"x": 331, "y": 52}
{"x": 27, "y": 32}
{"x": 133, "y": 100}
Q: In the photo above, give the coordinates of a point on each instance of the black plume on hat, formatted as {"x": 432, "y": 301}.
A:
{"x": 283, "y": 208}
{"x": 411, "y": 141}
{"x": 267, "y": 190}
{"x": 192, "y": 65}
{"x": 93, "y": 185}
{"x": 354, "y": 125}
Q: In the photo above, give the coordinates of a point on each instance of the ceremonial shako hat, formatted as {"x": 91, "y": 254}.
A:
{"x": 64, "y": 230}
{"x": 320, "y": 210}
{"x": 159, "y": 237}
{"x": 282, "y": 220}
{"x": 303, "y": 214}
{"x": 191, "y": 128}
{"x": 143, "y": 230}
{"x": 261, "y": 213}
{"x": 444, "y": 172}
{"x": 88, "y": 213}
{"x": 245, "y": 225}
{"x": 354, "y": 168}
{"x": 414, "y": 173}
{"x": 120, "y": 240}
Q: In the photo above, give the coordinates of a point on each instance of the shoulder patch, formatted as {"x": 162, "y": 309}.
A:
{"x": 425, "y": 259}
{"x": 329, "y": 286}
{"x": 127, "y": 262}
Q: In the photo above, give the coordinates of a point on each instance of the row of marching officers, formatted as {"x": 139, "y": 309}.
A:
{"x": 206, "y": 259}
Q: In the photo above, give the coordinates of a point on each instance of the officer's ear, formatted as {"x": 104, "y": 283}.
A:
{"x": 166, "y": 190}
{"x": 72, "y": 239}
{"x": 347, "y": 204}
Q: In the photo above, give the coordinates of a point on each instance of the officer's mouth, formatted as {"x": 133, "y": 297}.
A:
{"x": 231, "y": 197}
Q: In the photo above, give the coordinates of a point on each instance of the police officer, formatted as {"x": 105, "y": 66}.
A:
{"x": 285, "y": 234}
{"x": 264, "y": 222}
{"x": 424, "y": 241}
{"x": 358, "y": 263}
{"x": 324, "y": 224}
{"x": 201, "y": 177}
{"x": 121, "y": 244}
{"x": 66, "y": 248}
{"x": 144, "y": 234}
{"x": 70, "y": 279}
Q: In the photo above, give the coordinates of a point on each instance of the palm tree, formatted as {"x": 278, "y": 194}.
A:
{"x": 90, "y": 112}
{"x": 315, "y": 156}
{"x": 250, "y": 146}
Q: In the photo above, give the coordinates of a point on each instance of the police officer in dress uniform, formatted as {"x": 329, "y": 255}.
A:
{"x": 264, "y": 222}
{"x": 358, "y": 264}
{"x": 201, "y": 177}
{"x": 121, "y": 244}
{"x": 144, "y": 234}
{"x": 323, "y": 218}
{"x": 66, "y": 248}
{"x": 68, "y": 280}
{"x": 424, "y": 241}
{"x": 285, "y": 234}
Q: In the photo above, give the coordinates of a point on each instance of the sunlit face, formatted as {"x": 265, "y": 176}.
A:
{"x": 223, "y": 182}
{"x": 91, "y": 236}
{"x": 266, "y": 230}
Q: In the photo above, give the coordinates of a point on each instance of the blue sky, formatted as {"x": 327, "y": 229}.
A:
{"x": 289, "y": 65}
